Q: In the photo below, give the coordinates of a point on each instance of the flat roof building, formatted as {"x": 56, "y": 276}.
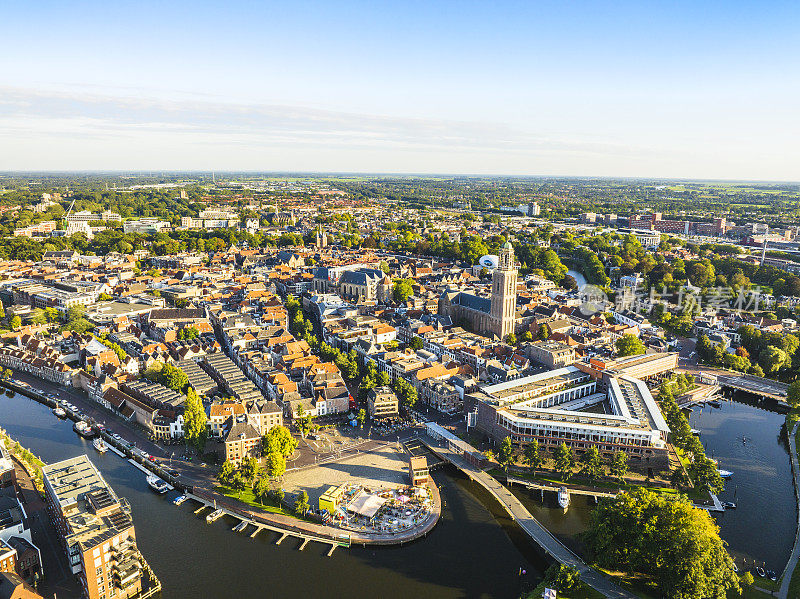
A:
{"x": 553, "y": 408}
{"x": 95, "y": 528}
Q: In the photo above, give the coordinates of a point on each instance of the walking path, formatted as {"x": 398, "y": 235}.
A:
{"x": 783, "y": 592}
{"x": 530, "y": 525}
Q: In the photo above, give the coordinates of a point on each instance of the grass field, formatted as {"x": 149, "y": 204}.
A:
{"x": 247, "y": 497}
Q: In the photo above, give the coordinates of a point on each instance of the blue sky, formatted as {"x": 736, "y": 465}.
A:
{"x": 673, "y": 89}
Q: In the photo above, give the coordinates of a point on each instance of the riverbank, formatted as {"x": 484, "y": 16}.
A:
{"x": 200, "y": 480}
{"x": 195, "y": 558}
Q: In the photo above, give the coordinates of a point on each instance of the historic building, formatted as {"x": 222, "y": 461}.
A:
{"x": 495, "y": 315}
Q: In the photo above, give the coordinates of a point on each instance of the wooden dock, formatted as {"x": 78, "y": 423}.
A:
{"x": 259, "y": 526}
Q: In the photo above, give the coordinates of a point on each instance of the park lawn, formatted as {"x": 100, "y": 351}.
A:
{"x": 754, "y": 593}
{"x": 247, "y": 497}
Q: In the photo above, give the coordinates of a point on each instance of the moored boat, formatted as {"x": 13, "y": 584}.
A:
{"x": 760, "y": 571}
{"x": 563, "y": 498}
{"x": 179, "y": 499}
{"x": 83, "y": 429}
{"x": 100, "y": 445}
{"x": 158, "y": 485}
{"x": 725, "y": 473}
{"x": 60, "y": 412}
{"x": 215, "y": 515}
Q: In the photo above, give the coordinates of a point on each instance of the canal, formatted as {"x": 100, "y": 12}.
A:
{"x": 747, "y": 440}
{"x": 473, "y": 552}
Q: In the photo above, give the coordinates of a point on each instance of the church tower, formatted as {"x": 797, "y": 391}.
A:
{"x": 504, "y": 293}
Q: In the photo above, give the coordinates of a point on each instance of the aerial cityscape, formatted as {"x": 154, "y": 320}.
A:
{"x": 448, "y": 301}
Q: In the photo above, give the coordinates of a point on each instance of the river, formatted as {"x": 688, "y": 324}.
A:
{"x": 579, "y": 278}
{"x": 473, "y": 552}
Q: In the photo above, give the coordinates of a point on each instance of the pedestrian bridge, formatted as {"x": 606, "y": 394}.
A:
{"x": 452, "y": 449}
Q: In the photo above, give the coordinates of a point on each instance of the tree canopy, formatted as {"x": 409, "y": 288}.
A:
{"x": 677, "y": 545}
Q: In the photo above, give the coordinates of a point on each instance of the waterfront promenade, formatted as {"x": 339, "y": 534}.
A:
{"x": 200, "y": 480}
{"x": 538, "y": 533}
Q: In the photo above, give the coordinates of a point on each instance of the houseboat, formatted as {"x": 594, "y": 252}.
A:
{"x": 83, "y": 429}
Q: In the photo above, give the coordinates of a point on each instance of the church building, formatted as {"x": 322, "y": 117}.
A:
{"x": 494, "y": 316}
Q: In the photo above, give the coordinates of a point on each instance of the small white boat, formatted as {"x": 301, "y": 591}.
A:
{"x": 695, "y": 432}
{"x": 563, "y": 498}
{"x": 179, "y": 499}
{"x": 760, "y": 571}
{"x": 215, "y": 515}
{"x": 158, "y": 485}
{"x": 729, "y": 505}
{"x": 100, "y": 445}
{"x": 735, "y": 567}
{"x": 725, "y": 473}
{"x": 60, "y": 412}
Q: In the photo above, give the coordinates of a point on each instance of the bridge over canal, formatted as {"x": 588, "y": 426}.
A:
{"x": 452, "y": 449}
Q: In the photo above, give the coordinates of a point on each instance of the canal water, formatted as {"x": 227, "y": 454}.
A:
{"x": 749, "y": 441}
{"x": 761, "y": 529}
{"x": 473, "y": 552}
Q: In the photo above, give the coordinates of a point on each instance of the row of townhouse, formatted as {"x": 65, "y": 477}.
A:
{"x": 45, "y": 367}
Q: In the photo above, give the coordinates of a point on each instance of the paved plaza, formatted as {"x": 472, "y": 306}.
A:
{"x": 377, "y": 469}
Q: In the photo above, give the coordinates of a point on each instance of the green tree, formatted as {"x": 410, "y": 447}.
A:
{"x": 361, "y": 417}
{"x": 249, "y": 468}
{"x": 592, "y": 463}
{"x": 644, "y": 533}
{"x": 527, "y": 336}
{"x": 793, "y": 394}
{"x": 195, "y": 430}
{"x": 383, "y": 379}
{"x": 532, "y": 455}
{"x": 402, "y": 290}
{"x": 260, "y": 488}
{"x": 301, "y": 503}
{"x": 15, "y": 322}
{"x": 746, "y": 579}
{"x": 38, "y": 316}
{"x": 276, "y": 465}
{"x": 562, "y": 577}
{"x": 226, "y": 472}
{"x": 511, "y": 339}
{"x": 705, "y": 474}
{"x": 238, "y": 483}
{"x": 416, "y": 343}
{"x": 618, "y": 464}
{"x": 629, "y": 345}
{"x": 279, "y": 439}
{"x": 543, "y": 334}
{"x": 505, "y": 454}
{"x": 773, "y": 359}
{"x": 564, "y": 461}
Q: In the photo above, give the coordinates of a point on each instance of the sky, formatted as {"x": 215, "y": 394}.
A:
{"x": 675, "y": 89}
